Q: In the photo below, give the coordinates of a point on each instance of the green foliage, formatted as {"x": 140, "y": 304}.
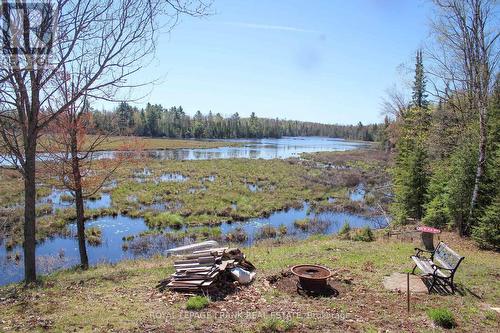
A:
{"x": 197, "y": 303}
{"x": 364, "y": 235}
{"x": 410, "y": 174}
{"x": 273, "y": 325}
{"x": 344, "y": 232}
{"x": 419, "y": 96}
{"x": 461, "y": 183}
{"x": 487, "y": 231}
{"x": 437, "y": 212}
{"x": 158, "y": 121}
{"x": 162, "y": 220}
{"x": 442, "y": 317}
{"x": 410, "y": 184}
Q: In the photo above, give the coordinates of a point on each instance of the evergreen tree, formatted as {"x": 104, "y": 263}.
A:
{"x": 411, "y": 175}
{"x": 157, "y": 121}
{"x": 419, "y": 96}
{"x": 487, "y": 230}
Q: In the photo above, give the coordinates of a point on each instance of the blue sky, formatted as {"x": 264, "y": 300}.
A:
{"x": 319, "y": 60}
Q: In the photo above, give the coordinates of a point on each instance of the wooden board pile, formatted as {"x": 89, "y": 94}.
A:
{"x": 201, "y": 270}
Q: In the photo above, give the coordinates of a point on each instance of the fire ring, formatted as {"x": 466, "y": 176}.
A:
{"x": 312, "y": 278}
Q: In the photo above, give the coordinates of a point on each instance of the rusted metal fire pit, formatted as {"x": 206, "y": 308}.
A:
{"x": 312, "y": 278}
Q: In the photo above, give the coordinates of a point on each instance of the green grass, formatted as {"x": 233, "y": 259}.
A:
{"x": 272, "y": 325}
{"x": 95, "y": 299}
{"x": 163, "y": 219}
{"x": 197, "y": 303}
{"x": 442, "y": 317}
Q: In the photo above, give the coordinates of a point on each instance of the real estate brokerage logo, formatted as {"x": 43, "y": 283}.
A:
{"x": 27, "y": 28}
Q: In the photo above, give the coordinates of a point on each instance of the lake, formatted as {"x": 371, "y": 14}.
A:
{"x": 62, "y": 251}
{"x": 252, "y": 148}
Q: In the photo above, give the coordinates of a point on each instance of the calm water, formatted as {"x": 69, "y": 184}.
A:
{"x": 260, "y": 148}
{"x": 253, "y": 148}
{"x": 61, "y": 252}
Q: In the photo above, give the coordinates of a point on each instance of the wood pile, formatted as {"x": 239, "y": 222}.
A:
{"x": 200, "y": 270}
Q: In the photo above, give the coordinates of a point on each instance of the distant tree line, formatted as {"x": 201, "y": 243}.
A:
{"x": 156, "y": 121}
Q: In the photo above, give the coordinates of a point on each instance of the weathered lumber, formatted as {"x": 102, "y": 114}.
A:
{"x": 193, "y": 265}
{"x": 197, "y": 260}
{"x": 202, "y": 268}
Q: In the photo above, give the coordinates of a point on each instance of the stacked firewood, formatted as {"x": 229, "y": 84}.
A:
{"x": 200, "y": 270}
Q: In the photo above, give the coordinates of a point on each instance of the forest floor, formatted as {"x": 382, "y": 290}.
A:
{"x": 124, "y": 297}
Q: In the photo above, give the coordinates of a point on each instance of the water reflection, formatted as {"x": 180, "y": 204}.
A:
{"x": 254, "y": 148}
{"x": 61, "y": 252}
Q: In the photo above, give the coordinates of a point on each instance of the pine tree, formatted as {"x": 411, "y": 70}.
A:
{"x": 411, "y": 175}
{"x": 419, "y": 96}
{"x": 487, "y": 230}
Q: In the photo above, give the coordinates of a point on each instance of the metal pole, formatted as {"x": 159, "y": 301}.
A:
{"x": 408, "y": 291}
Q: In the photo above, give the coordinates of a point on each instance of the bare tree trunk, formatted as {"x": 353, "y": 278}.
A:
{"x": 481, "y": 162}
{"x": 29, "y": 211}
{"x": 80, "y": 214}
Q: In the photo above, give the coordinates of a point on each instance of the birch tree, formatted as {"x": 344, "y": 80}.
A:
{"x": 464, "y": 59}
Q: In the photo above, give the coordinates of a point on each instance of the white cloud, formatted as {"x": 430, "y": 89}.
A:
{"x": 269, "y": 27}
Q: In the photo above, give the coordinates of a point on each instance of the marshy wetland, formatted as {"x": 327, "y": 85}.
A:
{"x": 152, "y": 205}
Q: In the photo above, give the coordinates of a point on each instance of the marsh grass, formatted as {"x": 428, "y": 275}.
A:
{"x": 43, "y": 209}
{"x": 266, "y": 231}
{"x": 11, "y": 187}
{"x": 164, "y": 219}
{"x": 283, "y": 184}
{"x": 66, "y": 197}
{"x": 226, "y": 196}
{"x": 93, "y": 235}
{"x": 238, "y": 235}
{"x": 282, "y": 230}
{"x": 302, "y": 224}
